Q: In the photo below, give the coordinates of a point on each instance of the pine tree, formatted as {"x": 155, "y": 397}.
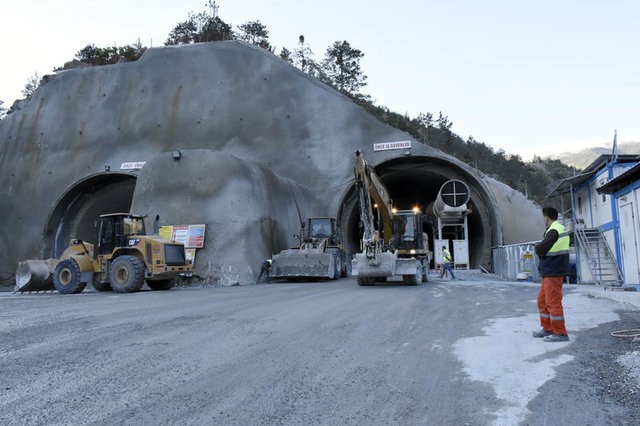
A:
{"x": 342, "y": 67}
{"x": 255, "y": 32}
{"x": 285, "y": 55}
{"x": 32, "y": 84}
{"x": 200, "y": 28}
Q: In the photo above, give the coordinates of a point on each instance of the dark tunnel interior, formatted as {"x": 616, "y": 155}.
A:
{"x": 415, "y": 182}
{"x": 75, "y": 214}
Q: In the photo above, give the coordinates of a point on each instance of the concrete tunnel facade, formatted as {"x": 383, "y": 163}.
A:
{"x": 261, "y": 145}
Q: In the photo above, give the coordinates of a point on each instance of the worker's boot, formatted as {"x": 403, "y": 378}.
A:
{"x": 556, "y": 338}
{"x": 542, "y": 333}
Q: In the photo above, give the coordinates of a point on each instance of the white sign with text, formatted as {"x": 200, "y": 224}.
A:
{"x": 388, "y": 146}
{"x": 133, "y": 166}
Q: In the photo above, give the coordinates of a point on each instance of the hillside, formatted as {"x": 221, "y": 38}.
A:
{"x": 534, "y": 179}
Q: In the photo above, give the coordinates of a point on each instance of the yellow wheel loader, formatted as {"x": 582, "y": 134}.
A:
{"x": 124, "y": 258}
{"x": 320, "y": 254}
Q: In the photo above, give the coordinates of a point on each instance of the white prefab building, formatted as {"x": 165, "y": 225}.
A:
{"x": 601, "y": 220}
{"x": 625, "y": 193}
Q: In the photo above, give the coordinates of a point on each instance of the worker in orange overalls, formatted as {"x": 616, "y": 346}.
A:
{"x": 553, "y": 252}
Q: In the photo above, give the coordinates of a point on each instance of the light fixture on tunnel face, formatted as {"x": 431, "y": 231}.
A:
{"x": 394, "y": 210}
{"x": 375, "y": 205}
{"x": 107, "y": 168}
{"x": 412, "y": 251}
{"x": 176, "y": 155}
{"x": 407, "y": 152}
{"x": 416, "y": 209}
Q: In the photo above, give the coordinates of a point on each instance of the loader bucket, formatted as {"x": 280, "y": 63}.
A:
{"x": 386, "y": 266}
{"x": 35, "y": 275}
{"x": 304, "y": 265}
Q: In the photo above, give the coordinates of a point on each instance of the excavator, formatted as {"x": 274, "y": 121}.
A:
{"x": 402, "y": 248}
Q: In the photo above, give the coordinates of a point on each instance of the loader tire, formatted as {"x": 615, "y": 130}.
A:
{"x": 414, "y": 279}
{"x": 126, "y": 274}
{"x": 338, "y": 267}
{"x": 66, "y": 277}
{"x": 366, "y": 281}
{"x": 332, "y": 274}
{"x": 102, "y": 286}
{"x": 161, "y": 284}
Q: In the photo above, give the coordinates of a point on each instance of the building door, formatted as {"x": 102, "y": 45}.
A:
{"x": 629, "y": 244}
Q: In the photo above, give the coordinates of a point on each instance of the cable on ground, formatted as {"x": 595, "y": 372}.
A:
{"x": 627, "y": 334}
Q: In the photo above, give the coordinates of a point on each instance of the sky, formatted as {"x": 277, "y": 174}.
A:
{"x": 530, "y": 77}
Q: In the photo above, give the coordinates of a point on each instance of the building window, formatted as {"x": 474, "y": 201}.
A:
{"x": 604, "y": 198}
{"x": 580, "y": 204}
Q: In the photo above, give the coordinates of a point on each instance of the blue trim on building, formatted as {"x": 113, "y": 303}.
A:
{"x": 616, "y": 234}
{"x": 607, "y": 227}
{"x": 627, "y": 189}
{"x": 590, "y": 204}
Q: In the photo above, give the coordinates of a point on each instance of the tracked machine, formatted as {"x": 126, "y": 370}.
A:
{"x": 400, "y": 248}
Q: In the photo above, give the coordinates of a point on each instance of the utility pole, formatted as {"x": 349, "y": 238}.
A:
{"x": 214, "y": 8}
{"x": 614, "y": 151}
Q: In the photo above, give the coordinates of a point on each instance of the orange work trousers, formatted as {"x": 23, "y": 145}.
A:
{"x": 550, "y": 305}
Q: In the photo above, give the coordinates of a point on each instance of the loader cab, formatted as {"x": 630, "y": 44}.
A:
{"x": 323, "y": 227}
{"x": 114, "y": 230}
{"x": 408, "y": 230}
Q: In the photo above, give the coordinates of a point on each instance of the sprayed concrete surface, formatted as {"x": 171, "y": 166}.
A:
{"x": 241, "y": 118}
{"x": 311, "y": 353}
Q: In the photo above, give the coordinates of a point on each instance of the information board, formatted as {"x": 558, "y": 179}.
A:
{"x": 192, "y": 236}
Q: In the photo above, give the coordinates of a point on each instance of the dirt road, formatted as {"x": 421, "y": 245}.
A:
{"x": 309, "y": 353}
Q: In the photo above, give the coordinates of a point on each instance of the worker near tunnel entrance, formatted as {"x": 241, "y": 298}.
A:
{"x": 446, "y": 263}
{"x": 265, "y": 268}
{"x": 553, "y": 266}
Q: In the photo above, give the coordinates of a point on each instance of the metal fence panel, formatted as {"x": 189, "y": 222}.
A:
{"x": 509, "y": 261}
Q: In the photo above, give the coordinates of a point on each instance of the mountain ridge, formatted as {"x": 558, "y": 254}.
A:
{"x": 581, "y": 159}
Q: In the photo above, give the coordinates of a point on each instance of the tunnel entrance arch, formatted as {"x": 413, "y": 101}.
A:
{"x": 74, "y": 214}
{"x": 415, "y": 181}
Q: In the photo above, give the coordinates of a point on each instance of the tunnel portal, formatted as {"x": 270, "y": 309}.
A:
{"x": 75, "y": 213}
{"x": 415, "y": 181}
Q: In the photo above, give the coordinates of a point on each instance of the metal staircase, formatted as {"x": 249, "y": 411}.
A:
{"x": 593, "y": 247}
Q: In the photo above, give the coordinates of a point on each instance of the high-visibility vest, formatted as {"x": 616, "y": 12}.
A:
{"x": 270, "y": 261}
{"x": 446, "y": 256}
{"x": 562, "y": 245}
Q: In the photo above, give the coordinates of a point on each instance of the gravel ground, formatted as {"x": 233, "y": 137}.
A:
{"x": 595, "y": 381}
{"x": 308, "y": 353}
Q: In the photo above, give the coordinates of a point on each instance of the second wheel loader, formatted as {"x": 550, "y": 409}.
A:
{"x": 320, "y": 254}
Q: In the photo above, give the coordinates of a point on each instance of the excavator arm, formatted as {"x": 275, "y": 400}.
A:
{"x": 370, "y": 186}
